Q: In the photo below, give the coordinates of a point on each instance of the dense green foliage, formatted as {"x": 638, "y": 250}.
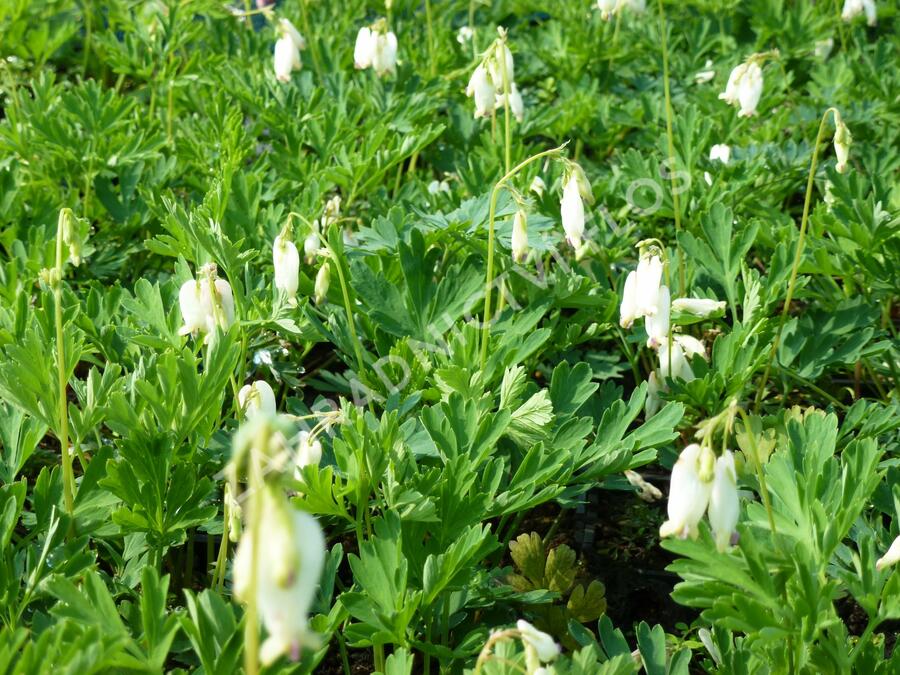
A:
{"x": 162, "y": 126}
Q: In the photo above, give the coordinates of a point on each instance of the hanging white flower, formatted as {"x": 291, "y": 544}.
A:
{"x": 519, "y": 243}
{"x": 436, "y": 187}
{"x": 482, "y": 90}
{"x": 287, "y": 50}
{"x": 495, "y": 66}
{"x": 218, "y": 305}
{"x": 744, "y": 88}
{"x": 364, "y": 50}
{"x": 707, "y": 74}
{"x": 516, "y": 104}
{"x": 680, "y": 367}
{"x": 688, "y": 496}
{"x": 464, "y": 34}
{"x": 538, "y": 186}
{"x": 607, "y": 8}
{"x": 891, "y": 557}
{"x": 657, "y": 324}
{"x": 543, "y": 644}
{"x": 384, "y": 58}
{"x": 572, "y": 212}
{"x": 724, "y": 505}
{"x": 289, "y": 565}
{"x": 193, "y": 313}
{"x": 648, "y": 278}
{"x": 309, "y": 451}
{"x": 257, "y": 399}
{"x": 853, "y": 8}
{"x": 286, "y": 28}
{"x": 286, "y": 260}
{"x": 701, "y": 308}
{"x": 720, "y": 152}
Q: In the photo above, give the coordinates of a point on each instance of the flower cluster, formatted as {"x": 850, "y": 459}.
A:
{"x": 703, "y": 484}
{"x": 376, "y": 48}
{"x": 206, "y": 303}
{"x": 492, "y": 84}
{"x": 745, "y": 87}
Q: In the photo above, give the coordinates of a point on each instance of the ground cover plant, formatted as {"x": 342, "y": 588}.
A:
{"x": 484, "y": 337}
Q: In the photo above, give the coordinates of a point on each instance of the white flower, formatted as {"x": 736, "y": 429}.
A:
{"x": 495, "y": 67}
{"x": 698, "y": 307}
{"x": 364, "y": 51}
{"x": 680, "y": 366}
{"x": 311, "y": 246}
{"x": 543, "y": 644}
{"x": 690, "y": 345}
{"x": 657, "y": 325}
{"x": 257, "y": 399}
{"x": 823, "y": 48}
{"x": 891, "y": 557}
{"x": 482, "y": 90}
{"x": 648, "y": 492}
{"x": 572, "y": 212}
{"x": 720, "y": 152}
{"x": 688, "y": 496}
{"x": 628, "y": 309}
{"x": 436, "y": 187}
{"x": 332, "y": 210}
{"x": 323, "y": 280}
{"x": 649, "y": 275}
{"x": 652, "y": 403}
{"x": 705, "y": 75}
{"x": 193, "y": 312}
{"x": 219, "y": 306}
{"x": 853, "y": 8}
{"x": 724, "y": 505}
{"x": 308, "y": 452}
{"x": 287, "y": 58}
{"x": 744, "y": 88}
{"x": 516, "y": 105}
{"x": 519, "y": 241}
{"x": 464, "y": 34}
{"x": 538, "y": 186}
{"x": 289, "y": 566}
{"x": 287, "y": 29}
{"x": 286, "y": 260}
{"x": 384, "y": 59}
{"x": 607, "y": 8}
{"x": 842, "y": 142}
{"x": 707, "y": 176}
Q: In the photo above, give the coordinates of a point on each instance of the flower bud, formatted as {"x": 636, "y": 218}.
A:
{"x": 257, "y": 398}
{"x": 572, "y": 212}
{"x": 287, "y": 29}
{"x": 724, "y": 505}
{"x": 688, "y": 496}
{"x": 323, "y": 279}
{"x": 686, "y": 309}
{"x": 652, "y": 403}
{"x": 647, "y": 492}
{"x": 520, "y": 236}
{"x": 311, "y": 246}
{"x": 286, "y": 260}
{"x": 233, "y": 514}
{"x": 707, "y": 464}
{"x": 842, "y": 142}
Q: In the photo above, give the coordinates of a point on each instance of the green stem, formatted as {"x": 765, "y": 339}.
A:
{"x": 432, "y": 67}
{"x": 472, "y": 26}
{"x": 507, "y": 132}
{"x": 62, "y": 381}
{"x": 670, "y": 137}
{"x": 840, "y": 23}
{"x": 313, "y": 49}
{"x": 489, "y": 277}
{"x": 87, "y": 37}
{"x": 760, "y": 392}
{"x": 255, "y": 488}
{"x": 760, "y": 474}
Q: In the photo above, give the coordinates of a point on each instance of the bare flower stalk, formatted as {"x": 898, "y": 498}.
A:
{"x": 63, "y": 421}
{"x": 670, "y": 138}
{"x": 489, "y": 277}
{"x": 801, "y": 240}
